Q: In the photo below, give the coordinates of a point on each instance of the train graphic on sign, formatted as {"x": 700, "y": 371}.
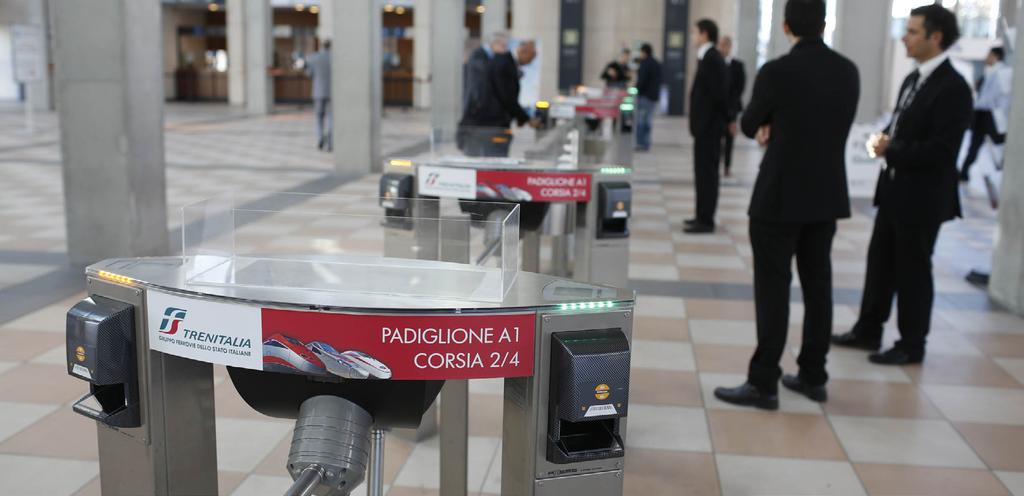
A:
{"x": 282, "y": 353}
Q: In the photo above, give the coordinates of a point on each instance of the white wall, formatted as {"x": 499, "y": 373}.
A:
{"x": 8, "y": 88}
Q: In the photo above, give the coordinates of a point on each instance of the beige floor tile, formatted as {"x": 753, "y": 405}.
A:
{"x": 243, "y": 443}
{"x": 688, "y": 247}
{"x": 51, "y": 318}
{"x": 411, "y": 491}
{"x": 62, "y": 434}
{"x": 664, "y": 387}
{"x": 92, "y": 488}
{"x": 667, "y": 428}
{"x": 651, "y": 472}
{"x": 1014, "y": 481}
{"x": 485, "y": 415}
{"x": 228, "y": 482}
{"x": 786, "y": 435}
{"x": 39, "y": 383}
{"x": 732, "y": 359}
{"x": 653, "y": 272}
{"x": 893, "y": 480}
{"x": 422, "y": 469}
{"x": 1000, "y": 446}
{"x": 661, "y": 329}
{"x": 932, "y": 443}
{"x": 22, "y": 346}
{"x": 1014, "y": 366}
{"x": 760, "y": 476}
{"x": 973, "y": 321}
{"x": 998, "y": 345}
{"x": 978, "y": 404}
{"x": 854, "y": 365}
{"x": 652, "y": 258}
{"x": 17, "y": 416}
{"x": 723, "y": 332}
{"x": 704, "y": 309}
{"x": 878, "y": 399}
{"x": 660, "y": 306}
{"x": 31, "y": 475}
{"x": 960, "y": 370}
{"x": 704, "y": 261}
{"x": 662, "y": 355}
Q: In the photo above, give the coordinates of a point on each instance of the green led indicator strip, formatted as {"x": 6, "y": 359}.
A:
{"x": 592, "y": 305}
{"x": 614, "y": 170}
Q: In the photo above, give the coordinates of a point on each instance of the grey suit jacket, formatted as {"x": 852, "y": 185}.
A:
{"x": 318, "y": 67}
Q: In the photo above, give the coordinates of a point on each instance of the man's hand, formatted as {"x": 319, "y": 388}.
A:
{"x": 535, "y": 123}
{"x": 881, "y": 145}
{"x": 764, "y": 134}
{"x": 733, "y": 129}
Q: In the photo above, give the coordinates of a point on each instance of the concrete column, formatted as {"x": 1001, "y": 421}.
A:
{"x": 259, "y": 88}
{"x": 778, "y": 44}
{"x": 1006, "y": 285}
{"x": 356, "y": 88}
{"x": 539, "y": 20}
{"x": 325, "y": 28}
{"x": 235, "y": 14}
{"x": 421, "y": 44}
{"x": 495, "y": 17}
{"x": 447, "y": 47}
{"x": 111, "y": 125}
{"x": 862, "y": 34}
{"x": 744, "y": 46}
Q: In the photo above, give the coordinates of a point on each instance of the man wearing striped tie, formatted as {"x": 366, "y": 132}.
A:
{"x": 916, "y": 191}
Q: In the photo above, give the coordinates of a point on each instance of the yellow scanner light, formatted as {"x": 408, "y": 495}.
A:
{"x": 400, "y": 163}
{"x": 110, "y": 276}
{"x": 543, "y": 104}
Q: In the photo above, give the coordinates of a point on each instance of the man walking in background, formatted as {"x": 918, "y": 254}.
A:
{"x": 709, "y": 113}
{"x": 917, "y": 191}
{"x": 737, "y": 83}
{"x": 801, "y": 110}
{"x": 318, "y": 68}
{"x": 992, "y": 107}
{"x": 648, "y": 92}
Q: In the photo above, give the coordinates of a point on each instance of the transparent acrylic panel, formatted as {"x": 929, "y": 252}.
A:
{"x": 500, "y": 147}
{"x": 451, "y": 249}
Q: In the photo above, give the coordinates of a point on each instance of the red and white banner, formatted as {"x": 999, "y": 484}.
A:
{"x": 351, "y": 346}
{"x": 528, "y": 186}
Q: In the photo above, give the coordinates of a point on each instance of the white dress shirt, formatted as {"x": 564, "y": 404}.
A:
{"x": 701, "y": 50}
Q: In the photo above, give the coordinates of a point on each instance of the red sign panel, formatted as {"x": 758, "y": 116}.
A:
{"x": 527, "y": 186}
{"x": 399, "y": 347}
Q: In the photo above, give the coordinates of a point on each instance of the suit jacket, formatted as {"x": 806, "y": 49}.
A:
{"x": 709, "y": 97}
{"x": 505, "y": 74}
{"x": 648, "y": 79}
{"x": 318, "y": 68}
{"x": 809, "y": 97}
{"x": 737, "y": 83}
{"x": 922, "y": 188}
{"x": 480, "y": 103}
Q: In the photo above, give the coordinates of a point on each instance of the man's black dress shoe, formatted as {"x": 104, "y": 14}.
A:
{"x": 894, "y": 356}
{"x": 698, "y": 228}
{"x": 815, "y": 393}
{"x": 747, "y": 395}
{"x": 851, "y": 340}
{"x": 690, "y": 222}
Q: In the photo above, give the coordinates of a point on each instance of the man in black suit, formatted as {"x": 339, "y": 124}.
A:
{"x": 491, "y": 94}
{"x": 709, "y": 113}
{"x": 916, "y": 192}
{"x": 801, "y": 109}
{"x": 737, "y": 83}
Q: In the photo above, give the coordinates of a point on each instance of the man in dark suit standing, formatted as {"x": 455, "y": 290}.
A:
{"x": 737, "y": 83}
{"x": 801, "y": 109}
{"x": 916, "y": 192}
{"x": 709, "y": 113}
{"x": 491, "y": 94}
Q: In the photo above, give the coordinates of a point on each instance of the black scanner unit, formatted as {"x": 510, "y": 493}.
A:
{"x": 101, "y": 349}
{"x": 588, "y": 395}
{"x": 614, "y": 202}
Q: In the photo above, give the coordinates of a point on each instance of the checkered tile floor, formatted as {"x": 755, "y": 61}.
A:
{"x": 954, "y": 425}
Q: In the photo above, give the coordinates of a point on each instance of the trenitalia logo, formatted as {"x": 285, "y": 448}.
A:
{"x": 432, "y": 178}
{"x": 173, "y": 317}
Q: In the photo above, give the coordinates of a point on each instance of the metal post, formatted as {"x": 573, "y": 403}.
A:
{"x": 375, "y": 475}
{"x": 454, "y": 437}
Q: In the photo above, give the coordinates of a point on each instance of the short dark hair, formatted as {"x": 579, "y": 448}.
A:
{"x": 805, "y": 17}
{"x": 646, "y": 49}
{"x": 708, "y": 27}
{"x": 938, "y": 18}
{"x": 998, "y": 52}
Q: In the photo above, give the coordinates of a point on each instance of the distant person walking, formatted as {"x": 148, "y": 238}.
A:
{"x": 318, "y": 68}
{"x": 737, "y": 84}
{"x": 648, "y": 92}
{"x": 616, "y": 74}
{"x": 992, "y": 107}
{"x": 709, "y": 114}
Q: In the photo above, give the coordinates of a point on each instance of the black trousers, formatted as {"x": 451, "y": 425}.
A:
{"x": 982, "y": 126}
{"x": 727, "y": 143}
{"x": 900, "y": 265}
{"x": 706, "y": 152}
{"x": 774, "y": 245}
